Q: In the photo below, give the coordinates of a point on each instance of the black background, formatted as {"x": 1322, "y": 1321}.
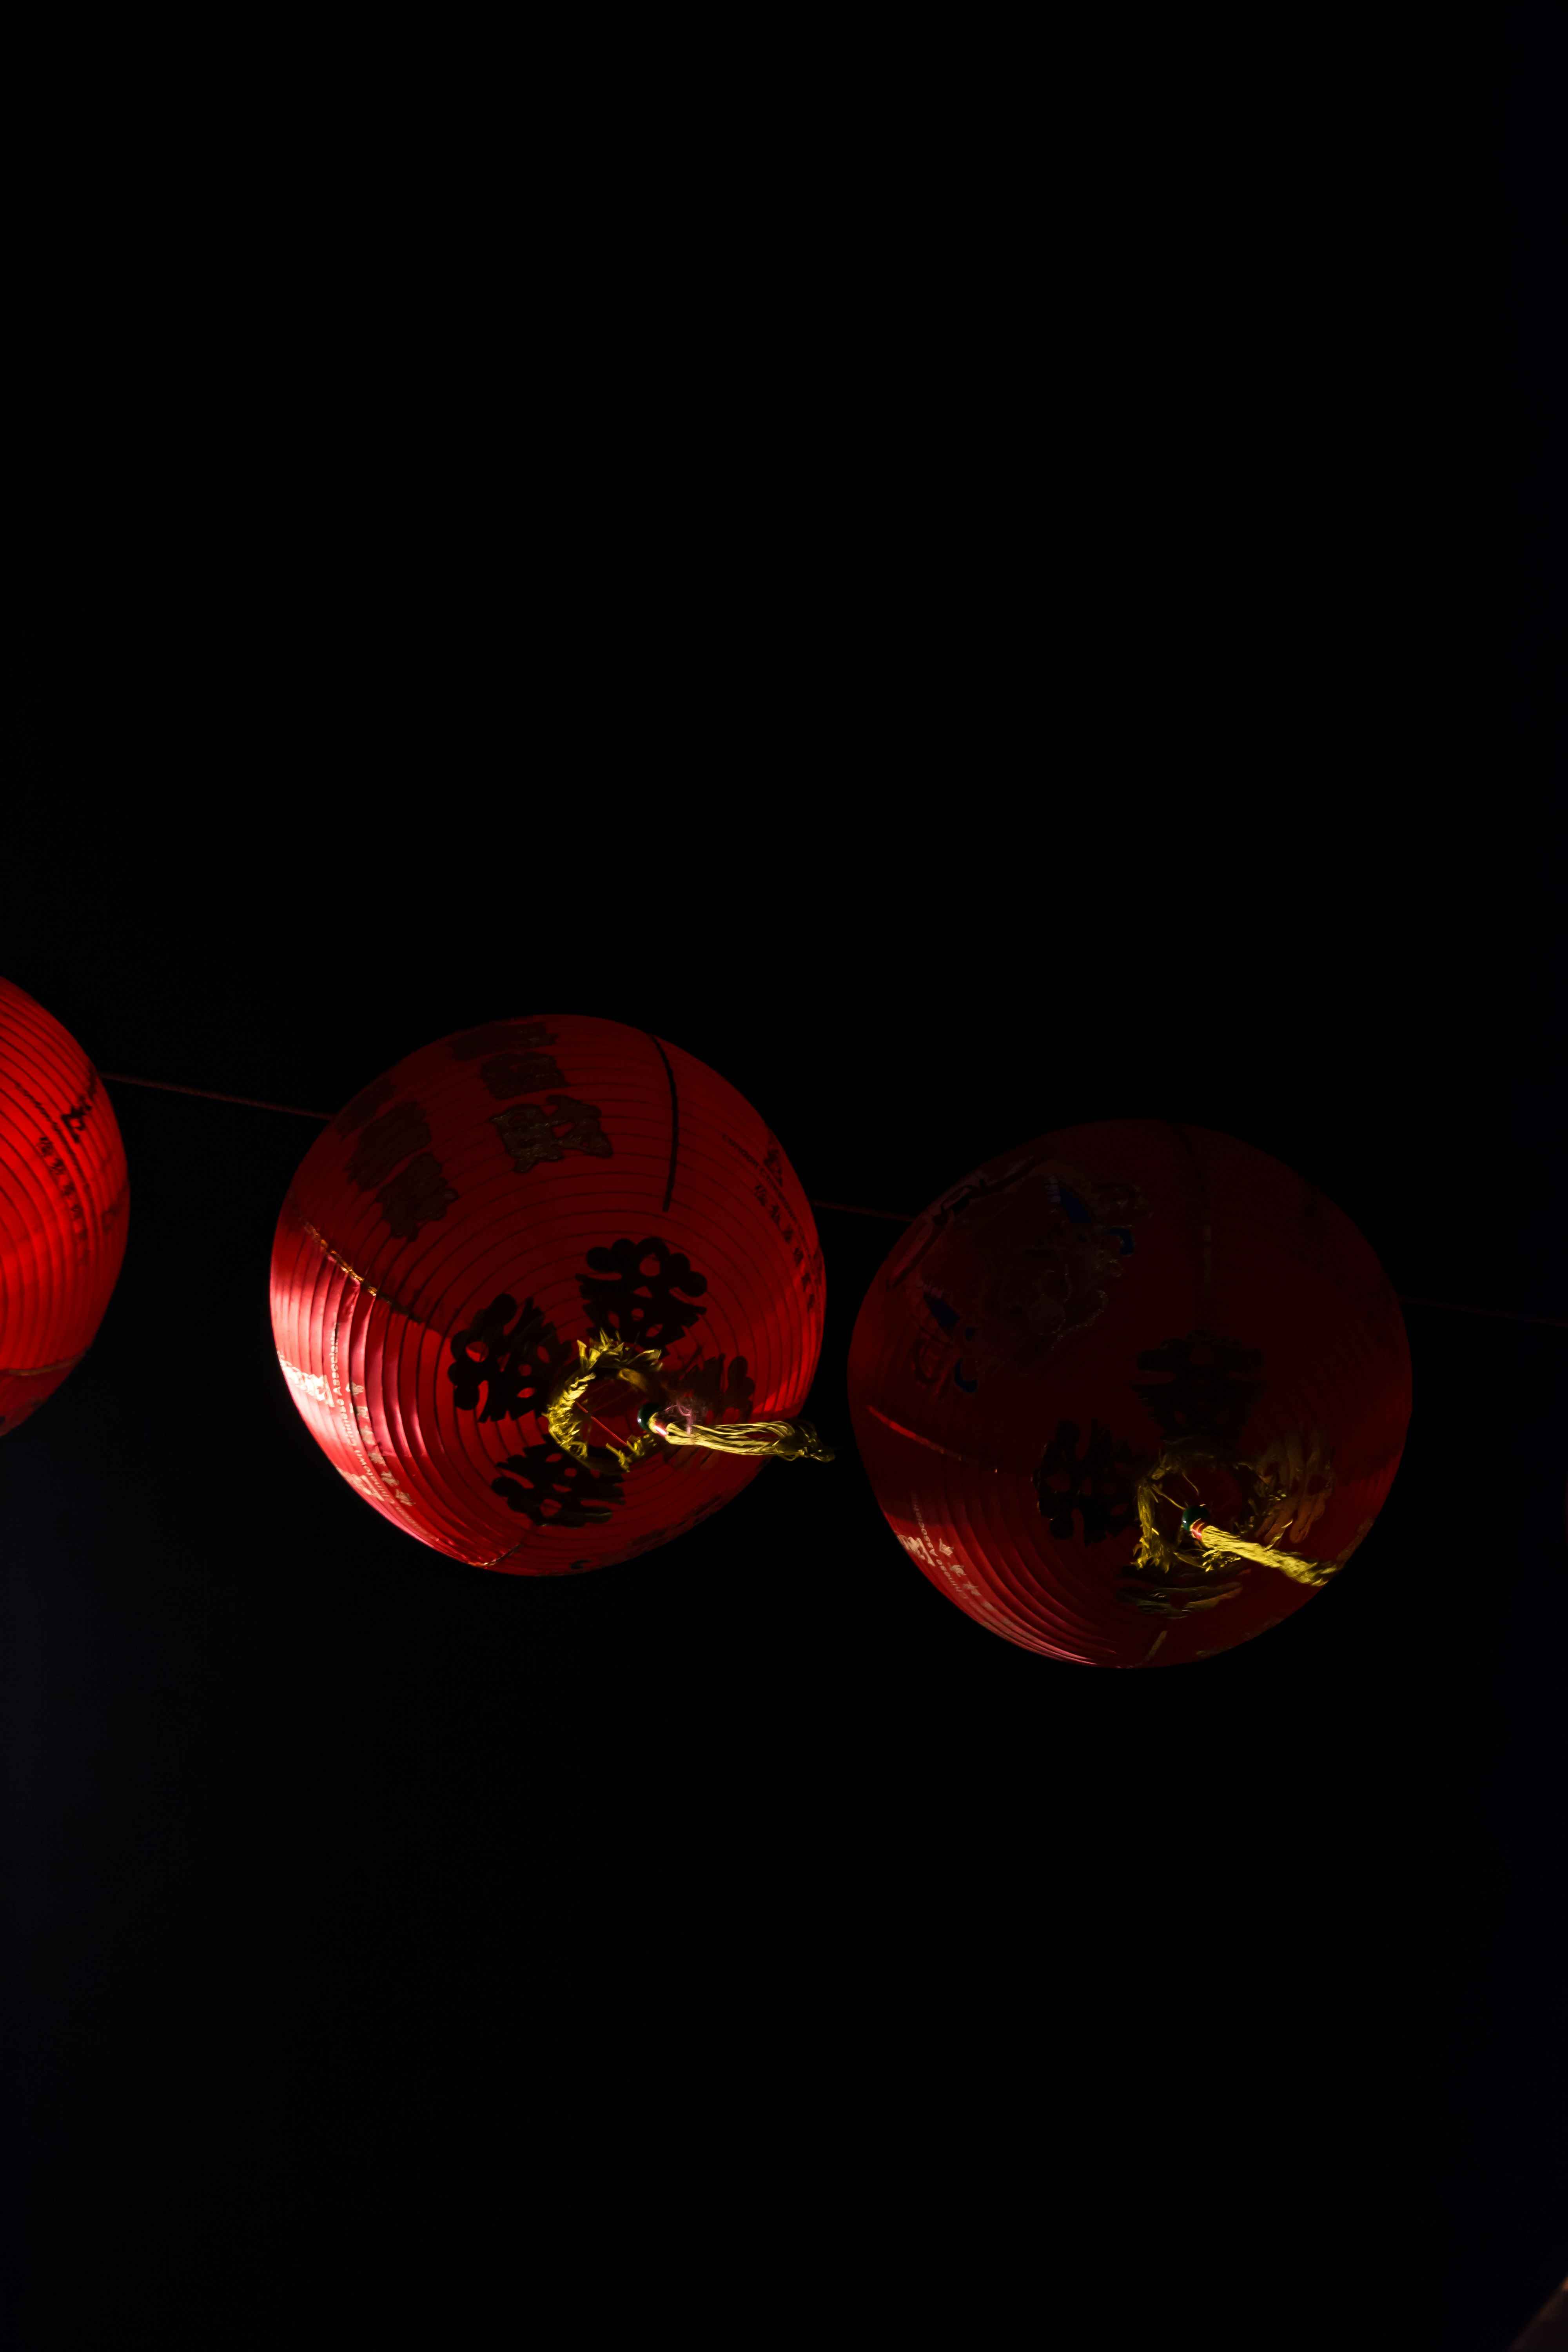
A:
{"x": 979, "y": 572}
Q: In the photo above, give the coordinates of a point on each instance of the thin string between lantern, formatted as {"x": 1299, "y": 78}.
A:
{"x": 205, "y": 1093}
{"x": 842, "y": 1208}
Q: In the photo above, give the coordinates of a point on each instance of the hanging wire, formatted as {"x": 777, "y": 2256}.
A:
{"x": 205, "y": 1093}
{"x": 846, "y": 1209}
{"x": 842, "y": 1208}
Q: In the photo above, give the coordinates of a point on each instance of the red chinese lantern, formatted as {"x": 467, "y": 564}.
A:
{"x": 64, "y": 1202}
{"x": 548, "y": 1294}
{"x": 1130, "y": 1394}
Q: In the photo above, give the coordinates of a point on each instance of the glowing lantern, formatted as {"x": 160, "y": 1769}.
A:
{"x": 64, "y": 1202}
{"x": 1130, "y": 1394}
{"x": 548, "y": 1294}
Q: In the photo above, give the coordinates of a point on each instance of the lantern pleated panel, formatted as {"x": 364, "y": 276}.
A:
{"x": 497, "y": 1198}
{"x": 64, "y": 1204}
{"x": 1131, "y": 1394}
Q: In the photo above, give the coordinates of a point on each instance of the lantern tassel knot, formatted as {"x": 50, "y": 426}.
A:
{"x": 567, "y": 1416}
{"x": 665, "y": 1420}
{"x": 1199, "y": 1544}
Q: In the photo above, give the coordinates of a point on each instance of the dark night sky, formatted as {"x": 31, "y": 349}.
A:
{"x": 979, "y": 576}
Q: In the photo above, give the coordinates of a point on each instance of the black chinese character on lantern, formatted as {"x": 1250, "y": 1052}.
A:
{"x": 368, "y": 1100}
{"x": 516, "y": 1363}
{"x": 412, "y": 1198}
{"x": 1210, "y": 1390}
{"x": 637, "y": 1300}
{"x": 532, "y": 1135}
{"x": 1101, "y": 1486}
{"x": 420, "y": 1192}
{"x": 397, "y": 1132}
{"x": 554, "y": 1491}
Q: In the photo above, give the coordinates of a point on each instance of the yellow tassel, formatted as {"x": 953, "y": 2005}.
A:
{"x": 782, "y": 1441}
{"x": 566, "y": 1416}
{"x": 1220, "y": 1546}
{"x": 1207, "y": 1548}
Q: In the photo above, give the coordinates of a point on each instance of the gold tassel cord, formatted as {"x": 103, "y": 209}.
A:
{"x": 567, "y": 1418}
{"x": 780, "y": 1441}
{"x": 1200, "y": 1545}
{"x": 1218, "y": 1545}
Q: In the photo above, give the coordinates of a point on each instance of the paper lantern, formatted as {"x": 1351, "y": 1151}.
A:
{"x": 468, "y": 1225}
{"x": 64, "y": 1203}
{"x": 1130, "y": 1394}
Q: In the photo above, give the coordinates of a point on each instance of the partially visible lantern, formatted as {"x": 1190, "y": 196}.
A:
{"x": 1131, "y": 1393}
{"x": 462, "y": 1241}
{"x": 64, "y": 1201}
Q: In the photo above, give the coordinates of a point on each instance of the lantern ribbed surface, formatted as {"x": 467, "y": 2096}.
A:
{"x": 496, "y": 1198}
{"x": 1105, "y": 1318}
{"x": 64, "y": 1203}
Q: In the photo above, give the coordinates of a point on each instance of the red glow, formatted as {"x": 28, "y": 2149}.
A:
{"x": 64, "y": 1204}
